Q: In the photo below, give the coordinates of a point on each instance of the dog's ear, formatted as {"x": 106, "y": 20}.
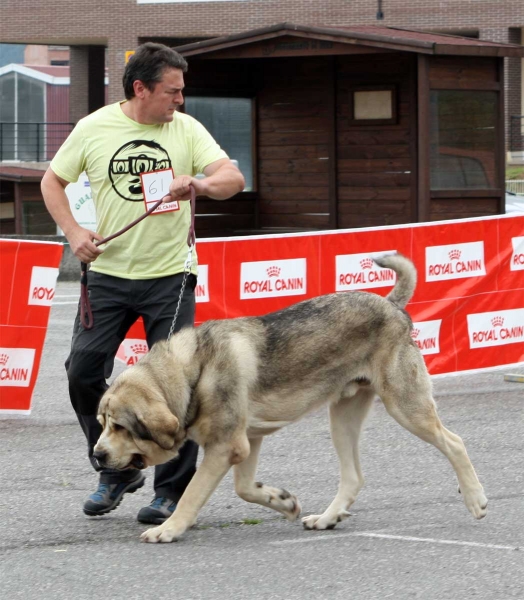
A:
{"x": 102, "y": 407}
{"x": 155, "y": 423}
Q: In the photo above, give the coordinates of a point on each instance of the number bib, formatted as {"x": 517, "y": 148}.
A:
{"x": 155, "y": 185}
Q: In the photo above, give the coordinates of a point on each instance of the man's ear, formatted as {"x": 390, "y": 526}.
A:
{"x": 139, "y": 88}
{"x": 155, "y": 423}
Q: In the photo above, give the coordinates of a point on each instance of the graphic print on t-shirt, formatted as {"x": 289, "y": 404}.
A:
{"x": 133, "y": 158}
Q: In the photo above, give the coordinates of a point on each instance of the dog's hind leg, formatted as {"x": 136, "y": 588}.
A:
{"x": 415, "y": 410}
{"x": 346, "y": 419}
{"x": 251, "y": 491}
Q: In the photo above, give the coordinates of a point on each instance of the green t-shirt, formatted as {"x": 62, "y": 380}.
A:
{"x": 113, "y": 150}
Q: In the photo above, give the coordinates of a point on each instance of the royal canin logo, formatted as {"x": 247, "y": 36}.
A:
{"x": 202, "y": 286}
{"x": 496, "y": 329}
{"x": 517, "y": 258}
{"x": 131, "y": 350}
{"x": 270, "y": 279}
{"x": 359, "y": 271}
{"x": 42, "y": 286}
{"x": 455, "y": 262}
{"x": 366, "y": 263}
{"x": 426, "y": 335}
{"x": 139, "y": 348}
{"x": 16, "y": 366}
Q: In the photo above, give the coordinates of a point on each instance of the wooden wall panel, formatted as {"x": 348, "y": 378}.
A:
{"x": 293, "y": 144}
{"x": 461, "y": 208}
{"x": 463, "y": 68}
{"x": 376, "y": 163}
{"x": 220, "y": 218}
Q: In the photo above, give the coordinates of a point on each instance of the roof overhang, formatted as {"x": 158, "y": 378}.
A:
{"x": 366, "y": 37}
{"x": 20, "y": 174}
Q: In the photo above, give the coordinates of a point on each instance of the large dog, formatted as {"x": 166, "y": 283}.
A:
{"x": 227, "y": 384}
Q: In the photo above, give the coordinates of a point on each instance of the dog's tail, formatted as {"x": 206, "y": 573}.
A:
{"x": 401, "y": 294}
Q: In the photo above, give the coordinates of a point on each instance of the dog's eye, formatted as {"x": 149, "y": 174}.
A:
{"x": 117, "y": 427}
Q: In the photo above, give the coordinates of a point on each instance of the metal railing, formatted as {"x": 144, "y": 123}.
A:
{"x": 32, "y": 142}
{"x": 516, "y": 133}
{"x": 516, "y": 186}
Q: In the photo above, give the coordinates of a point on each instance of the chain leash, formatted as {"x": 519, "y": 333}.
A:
{"x": 187, "y": 271}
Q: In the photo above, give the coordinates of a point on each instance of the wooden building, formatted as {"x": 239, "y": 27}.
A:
{"x": 356, "y": 127}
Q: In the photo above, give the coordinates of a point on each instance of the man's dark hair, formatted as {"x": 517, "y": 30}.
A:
{"x": 147, "y": 65}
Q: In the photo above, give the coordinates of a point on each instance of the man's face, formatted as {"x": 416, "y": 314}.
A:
{"x": 162, "y": 101}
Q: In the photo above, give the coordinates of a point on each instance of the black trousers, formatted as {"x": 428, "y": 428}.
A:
{"x": 116, "y": 304}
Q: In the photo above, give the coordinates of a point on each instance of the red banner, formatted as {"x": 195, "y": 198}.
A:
{"x": 28, "y": 278}
{"x": 468, "y": 308}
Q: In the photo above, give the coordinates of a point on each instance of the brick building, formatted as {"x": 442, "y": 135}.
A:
{"x": 100, "y": 38}
{"x": 90, "y": 27}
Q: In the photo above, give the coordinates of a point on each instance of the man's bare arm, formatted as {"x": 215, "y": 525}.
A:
{"x": 79, "y": 238}
{"x": 223, "y": 180}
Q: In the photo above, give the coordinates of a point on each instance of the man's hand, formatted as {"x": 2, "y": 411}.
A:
{"x": 179, "y": 188}
{"x": 82, "y": 245}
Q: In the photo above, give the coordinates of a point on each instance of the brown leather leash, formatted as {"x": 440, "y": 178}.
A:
{"x": 86, "y": 315}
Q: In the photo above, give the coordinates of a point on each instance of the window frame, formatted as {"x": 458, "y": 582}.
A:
{"x": 374, "y": 88}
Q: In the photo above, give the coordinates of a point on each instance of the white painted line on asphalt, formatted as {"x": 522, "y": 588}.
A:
{"x": 402, "y": 538}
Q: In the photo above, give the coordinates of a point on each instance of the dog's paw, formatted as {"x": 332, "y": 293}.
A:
{"x": 477, "y": 503}
{"x": 286, "y": 503}
{"x": 324, "y": 521}
{"x": 160, "y": 534}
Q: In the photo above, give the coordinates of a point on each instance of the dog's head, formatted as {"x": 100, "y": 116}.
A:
{"x": 139, "y": 430}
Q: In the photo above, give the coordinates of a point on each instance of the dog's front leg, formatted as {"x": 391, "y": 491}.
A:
{"x": 214, "y": 466}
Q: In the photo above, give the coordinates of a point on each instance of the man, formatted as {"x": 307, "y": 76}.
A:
{"x": 139, "y": 273}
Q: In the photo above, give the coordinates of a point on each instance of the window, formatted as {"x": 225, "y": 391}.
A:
{"x": 229, "y": 120}
{"x": 22, "y": 106}
{"x": 36, "y": 219}
{"x": 373, "y": 105}
{"x": 463, "y": 139}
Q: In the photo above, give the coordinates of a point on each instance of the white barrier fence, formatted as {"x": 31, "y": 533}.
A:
{"x": 515, "y": 185}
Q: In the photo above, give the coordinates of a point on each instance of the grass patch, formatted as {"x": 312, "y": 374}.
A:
{"x": 224, "y": 525}
{"x": 515, "y": 172}
{"x": 251, "y": 521}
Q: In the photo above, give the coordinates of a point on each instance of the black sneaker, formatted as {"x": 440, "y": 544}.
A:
{"x": 157, "y": 512}
{"x": 109, "y": 495}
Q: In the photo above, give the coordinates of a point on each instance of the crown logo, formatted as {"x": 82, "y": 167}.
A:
{"x": 139, "y": 348}
{"x": 497, "y": 321}
{"x": 273, "y": 271}
{"x": 414, "y": 333}
{"x": 454, "y": 254}
{"x": 3, "y": 359}
{"x": 366, "y": 263}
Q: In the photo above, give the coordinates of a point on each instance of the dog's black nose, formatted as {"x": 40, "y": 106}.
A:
{"x": 100, "y": 456}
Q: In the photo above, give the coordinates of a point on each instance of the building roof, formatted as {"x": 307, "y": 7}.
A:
{"x": 51, "y": 75}
{"x": 390, "y": 38}
{"x": 19, "y": 174}
{"x": 53, "y": 70}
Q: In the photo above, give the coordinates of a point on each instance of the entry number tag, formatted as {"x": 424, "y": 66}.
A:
{"x": 155, "y": 185}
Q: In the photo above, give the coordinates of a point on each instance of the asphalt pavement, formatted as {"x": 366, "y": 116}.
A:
{"x": 409, "y": 536}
